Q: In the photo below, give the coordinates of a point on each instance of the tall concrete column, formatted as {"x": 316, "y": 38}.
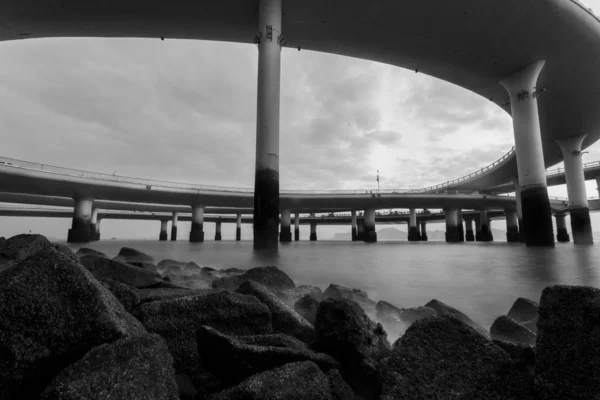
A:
{"x": 174, "y": 226}
{"x": 561, "y": 228}
{"x": 286, "y": 230}
{"x": 477, "y": 220}
{"x": 94, "y": 230}
{"x": 469, "y": 235}
{"x": 218, "y": 230}
{"x": 484, "y": 228}
{"x": 598, "y": 186}
{"x": 97, "y": 233}
{"x": 297, "y": 227}
{"x": 266, "y": 181}
{"x": 581, "y": 226}
{"x": 360, "y": 229}
{"x": 413, "y": 229}
{"x": 423, "y": 235}
{"x": 82, "y": 215}
{"x": 163, "y": 236}
{"x": 354, "y": 227}
{"x": 370, "y": 232}
{"x": 452, "y": 233}
{"x": 461, "y": 229}
{"x": 537, "y": 215}
{"x": 313, "y": 231}
{"x": 238, "y": 228}
{"x": 512, "y": 226}
{"x": 197, "y": 230}
{"x": 519, "y": 211}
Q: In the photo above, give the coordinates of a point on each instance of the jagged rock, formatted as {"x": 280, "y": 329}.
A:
{"x": 128, "y": 274}
{"x": 178, "y": 319}
{"x": 271, "y": 277}
{"x": 192, "y": 268}
{"x": 2, "y": 241}
{"x": 444, "y": 309}
{"x": 19, "y": 247}
{"x": 165, "y": 283}
{"x": 186, "y": 388}
{"x": 531, "y": 324}
{"x": 338, "y": 387}
{"x": 523, "y": 355}
{"x": 187, "y": 281}
{"x": 443, "y": 357}
{"x": 127, "y": 295}
{"x": 84, "y": 251}
{"x": 144, "y": 265}
{"x": 234, "y": 358}
{"x": 344, "y": 331}
{"x": 147, "y": 295}
{"x": 206, "y": 383}
{"x": 294, "y": 381}
{"x": 307, "y": 308}
{"x": 206, "y": 272}
{"x": 129, "y": 255}
{"x": 65, "y": 250}
{"x": 523, "y": 310}
{"x": 172, "y": 270}
{"x": 390, "y": 313}
{"x": 284, "y": 319}
{"x": 165, "y": 264}
{"x": 567, "y": 358}
{"x": 291, "y": 296}
{"x": 357, "y": 295}
{"x": 53, "y": 311}
{"x": 505, "y": 328}
{"x": 132, "y": 368}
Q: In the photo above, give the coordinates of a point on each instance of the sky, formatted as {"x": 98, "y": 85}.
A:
{"x": 184, "y": 111}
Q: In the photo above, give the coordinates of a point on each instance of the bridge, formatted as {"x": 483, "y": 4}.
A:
{"x": 536, "y": 60}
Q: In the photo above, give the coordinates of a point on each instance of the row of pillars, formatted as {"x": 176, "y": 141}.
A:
{"x": 197, "y": 229}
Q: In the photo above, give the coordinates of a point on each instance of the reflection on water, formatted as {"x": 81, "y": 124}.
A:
{"x": 480, "y": 279}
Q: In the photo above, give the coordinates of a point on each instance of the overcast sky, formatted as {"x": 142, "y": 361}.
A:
{"x": 185, "y": 111}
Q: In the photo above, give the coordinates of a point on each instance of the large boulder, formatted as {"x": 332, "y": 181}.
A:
{"x": 53, "y": 311}
{"x": 523, "y": 355}
{"x": 85, "y": 251}
{"x": 346, "y": 332}
{"x": 105, "y": 269}
{"x": 443, "y": 309}
{"x": 443, "y": 358}
{"x": 523, "y": 310}
{"x": 338, "y": 387}
{"x": 356, "y": 295}
{"x": 307, "y": 308}
{"x": 285, "y": 320}
{"x": 291, "y": 296}
{"x": 132, "y": 368}
{"x": 506, "y": 328}
{"x": 165, "y": 264}
{"x": 19, "y": 247}
{"x": 147, "y": 295}
{"x": 128, "y": 296}
{"x": 567, "y": 357}
{"x": 129, "y": 255}
{"x": 387, "y": 312}
{"x": 178, "y": 319}
{"x": 294, "y": 381}
{"x": 531, "y": 324}
{"x": 234, "y": 358}
{"x": 192, "y": 268}
{"x": 192, "y": 282}
{"x": 271, "y": 277}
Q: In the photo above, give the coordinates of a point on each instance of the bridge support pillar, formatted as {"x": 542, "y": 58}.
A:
{"x": 163, "y": 236}
{"x": 297, "y": 227}
{"x": 266, "y": 181}
{"x": 561, "y": 228}
{"x": 354, "y": 227}
{"x": 452, "y": 233}
{"x": 80, "y": 231}
{"x": 285, "y": 235}
{"x": 313, "y": 231}
{"x": 469, "y": 236}
{"x": 94, "y": 226}
{"x": 423, "y": 235}
{"x": 413, "y": 229}
{"x": 512, "y": 226}
{"x": 485, "y": 232}
{"x": 360, "y": 229}
{"x": 537, "y": 215}
{"x": 174, "y": 227}
{"x": 519, "y": 210}
{"x": 218, "y": 230}
{"x": 238, "y": 228}
{"x": 461, "y": 228}
{"x": 370, "y": 235}
{"x": 581, "y": 226}
{"x": 197, "y": 229}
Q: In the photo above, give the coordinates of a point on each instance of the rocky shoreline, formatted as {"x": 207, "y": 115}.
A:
{"x": 87, "y": 326}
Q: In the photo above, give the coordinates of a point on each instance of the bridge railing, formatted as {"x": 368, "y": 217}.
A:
{"x": 561, "y": 170}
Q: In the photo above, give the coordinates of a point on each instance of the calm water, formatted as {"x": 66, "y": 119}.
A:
{"x": 480, "y": 279}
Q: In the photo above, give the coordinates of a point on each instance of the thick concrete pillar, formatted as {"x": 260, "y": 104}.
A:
{"x": 484, "y": 232}
{"x": 238, "y": 228}
{"x": 218, "y": 230}
{"x": 537, "y": 215}
{"x": 519, "y": 211}
{"x": 297, "y": 227}
{"x": 512, "y": 226}
{"x": 163, "y": 236}
{"x": 197, "y": 230}
{"x": 266, "y": 181}
{"x": 413, "y": 229}
{"x": 94, "y": 229}
{"x": 313, "y": 231}
{"x": 452, "y": 233}
{"x": 461, "y": 229}
{"x": 174, "y": 226}
{"x": 370, "y": 232}
{"x": 360, "y": 229}
{"x": 286, "y": 229}
{"x": 423, "y": 235}
{"x": 581, "y": 226}
{"x": 469, "y": 235}
{"x": 561, "y": 228}
{"x": 354, "y": 228}
{"x": 97, "y": 233}
{"x": 80, "y": 231}
{"x": 477, "y": 220}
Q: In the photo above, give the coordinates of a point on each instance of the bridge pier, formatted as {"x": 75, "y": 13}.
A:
{"x": 512, "y": 226}
{"x": 537, "y": 215}
{"x": 94, "y": 228}
{"x": 80, "y": 231}
{"x": 469, "y": 236}
{"x": 163, "y": 236}
{"x": 313, "y": 231}
{"x": 197, "y": 229}
{"x": 174, "y": 227}
{"x": 485, "y": 233}
{"x": 97, "y": 230}
{"x": 238, "y": 228}
{"x": 423, "y": 235}
{"x": 354, "y": 228}
{"x": 581, "y": 226}
{"x": 561, "y": 228}
{"x": 297, "y": 227}
{"x": 452, "y": 233}
{"x": 266, "y": 181}
{"x": 360, "y": 229}
{"x": 370, "y": 235}
{"x": 519, "y": 210}
{"x": 461, "y": 229}
{"x": 218, "y": 230}
{"x": 413, "y": 229}
{"x": 285, "y": 236}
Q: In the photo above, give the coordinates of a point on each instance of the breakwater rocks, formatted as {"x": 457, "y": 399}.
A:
{"x": 88, "y": 326}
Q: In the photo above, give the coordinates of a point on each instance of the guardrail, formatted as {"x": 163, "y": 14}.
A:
{"x": 561, "y": 170}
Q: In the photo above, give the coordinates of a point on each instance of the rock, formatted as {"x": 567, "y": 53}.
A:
{"x": 192, "y": 268}
{"x": 178, "y": 319}
{"x": 53, "y": 311}
{"x": 84, "y": 251}
{"x": 357, "y": 295}
{"x": 132, "y": 368}
{"x": 127, "y": 295}
{"x": 344, "y": 331}
{"x": 147, "y": 295}
{"x": 104, "y": 269}
{"x": 307, "y": 308}
{"x": 294, "y": 381}
{"x": 144, "y": 265}
{"x": 523, "y": 310}
{"x": 19, "y": 247}
{"x": 172, "y": 270}
{"x": 206, "y": 272}
{"x": 187, "y": 281}
{"x": 284, "y": 319}
{"x": 187, "y": 391}
{"x": 443, "y": 358}
{"x": 531, "y": 324}
{"x": 165, "y": 283}
{"x": 271, "y": 277}
{"x": 233, "y": 359}
{"x": 165, "y": 264}
{"x": 505, "y": 328}
{"x": 291, "y": 296}
{"x": 206, "y": 383}
{"x": 129, "y": 255}
{"x": 524, "y": 357}
{"x": 2, "y": 241}
{"x": 444, "y": 309}
{"x": 389, "y": 313}
{"x": 338, "y": 387}
{"x": 567, "y": 358}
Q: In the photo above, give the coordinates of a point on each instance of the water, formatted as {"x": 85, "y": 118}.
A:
{"x": 480, "y": 279}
